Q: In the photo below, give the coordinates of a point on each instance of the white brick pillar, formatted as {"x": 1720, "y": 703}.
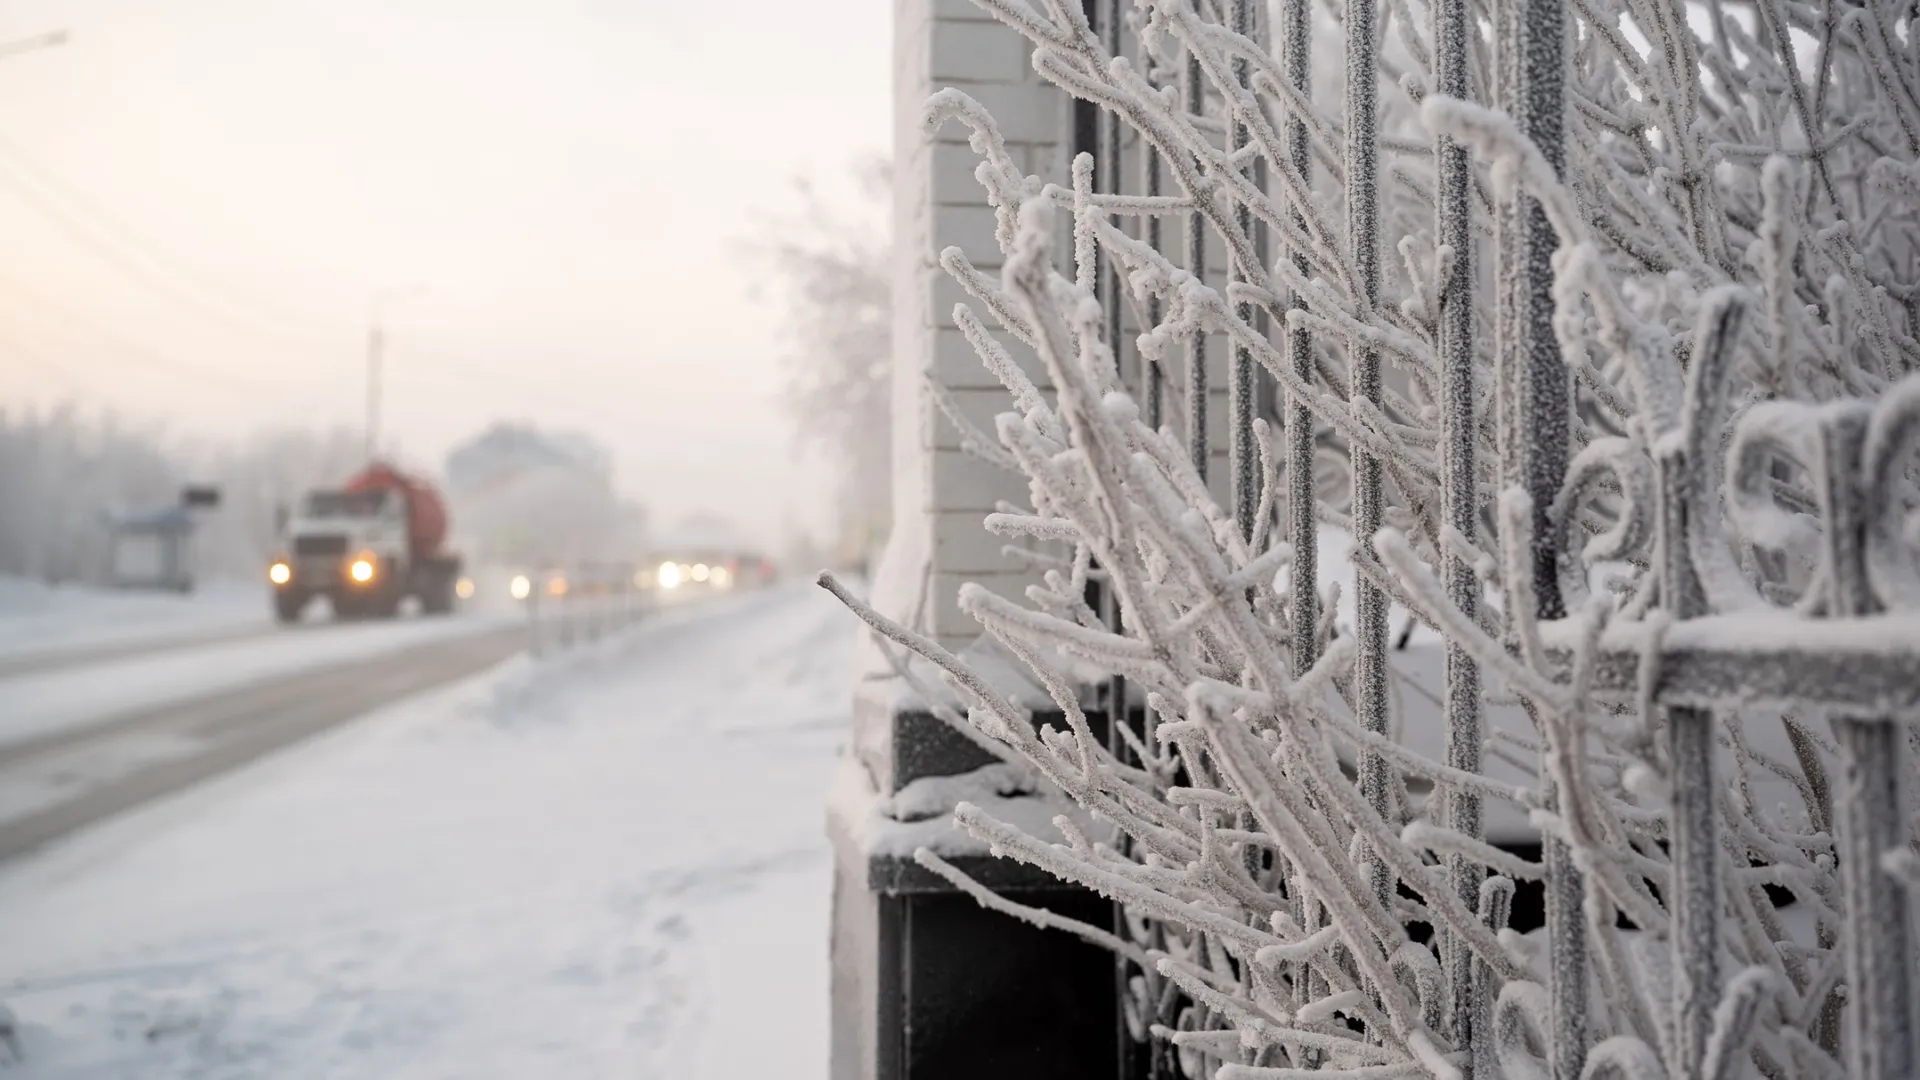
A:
{"x": 940, "y": 493}
{"x": 907, "y": 949}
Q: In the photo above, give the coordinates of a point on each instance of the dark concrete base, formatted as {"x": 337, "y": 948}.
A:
{"x": 928, "y": 985}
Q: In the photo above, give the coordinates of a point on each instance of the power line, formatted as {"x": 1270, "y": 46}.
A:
{"x": 85, "y": 219}
{"x": 110, "y": 239}
{"x": 32, "y": 359}
{"x": 458, "y": 379}
{"x": 124, "y": 347}
{"x": 444, "y": 368}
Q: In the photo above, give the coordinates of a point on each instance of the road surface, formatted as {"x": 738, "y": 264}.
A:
{"x": 56, "y": 781}
{"x": 48, "y": 661}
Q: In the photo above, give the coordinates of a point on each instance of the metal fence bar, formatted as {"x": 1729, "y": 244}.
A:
{"x": 1303, "y": 525}
{"x": 1690, "y": 731}
{"x": 1362, "y": 164}
{"x": 1161, "y": 1062}
{"x": 1883, "y": 1013}
{"x": 1878, "y": 939}
{"x": 1460, "y": 507}
{"x": 1152, "y": 377}
{"x": 1196, "y": 240}
{"x": 1535, "y": 435}
{"x": 1109, "y": 178}
{"x": 1243, "y": 457}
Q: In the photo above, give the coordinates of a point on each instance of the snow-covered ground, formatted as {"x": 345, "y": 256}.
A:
{"x": 66, "y": 698}
{"x": 38, "y": 618}
{"x": 610, "y": 863}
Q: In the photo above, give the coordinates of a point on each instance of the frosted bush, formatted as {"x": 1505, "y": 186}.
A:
{"x": 1718, "y": 272}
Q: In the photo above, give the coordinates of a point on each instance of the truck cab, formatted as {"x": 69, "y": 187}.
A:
{"x": 362, "y": 548}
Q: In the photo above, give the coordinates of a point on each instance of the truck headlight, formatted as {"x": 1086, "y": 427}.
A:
{"x": 279, "y": 573}
{"x": 361, "y": 570}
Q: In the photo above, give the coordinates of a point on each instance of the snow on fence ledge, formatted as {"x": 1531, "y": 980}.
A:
{"x": 1651, "y": 307}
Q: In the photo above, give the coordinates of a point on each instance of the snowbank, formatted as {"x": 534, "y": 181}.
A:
{"x": 36, "y": 617}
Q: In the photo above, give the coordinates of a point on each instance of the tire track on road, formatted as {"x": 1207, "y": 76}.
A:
{"x": 68, "y": 657}
{"x": 238, "y": 726}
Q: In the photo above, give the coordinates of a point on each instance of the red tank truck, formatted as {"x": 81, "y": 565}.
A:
{"x": 366, "y": 546}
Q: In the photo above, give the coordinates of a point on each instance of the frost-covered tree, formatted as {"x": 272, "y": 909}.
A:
{"x": 1654, "y": 308}
{"x": 832, "y": 273}
{"x": 257, "y": 476}
{"x": 62, "y": 471}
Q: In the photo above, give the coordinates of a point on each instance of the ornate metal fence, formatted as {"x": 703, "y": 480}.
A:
{"x": 1637, "y": 322}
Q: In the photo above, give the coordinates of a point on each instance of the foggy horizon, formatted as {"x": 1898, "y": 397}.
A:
{"x": 205, "y": 205}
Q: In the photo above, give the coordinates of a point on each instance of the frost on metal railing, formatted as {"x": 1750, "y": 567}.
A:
{"x": 1653, "y": 324}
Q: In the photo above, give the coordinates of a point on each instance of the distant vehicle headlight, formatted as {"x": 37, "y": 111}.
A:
{"x": 279, "y": 573}
{"x": 463, "y": 588}
{"x": 669, "y": 575}
{"x": 520, "y": 587}
{"x": 557, "y": 586}
{"x": 361, "y": 570}
{"x": 722, "y": 577}
{"x": 700, "y": 572}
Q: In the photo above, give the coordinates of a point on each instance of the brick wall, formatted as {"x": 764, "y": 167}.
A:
{"x": 940, "y": 492}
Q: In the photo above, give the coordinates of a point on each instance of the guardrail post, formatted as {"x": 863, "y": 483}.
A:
{"x": 592, "y": 600}
{"x": 536, "y": 632}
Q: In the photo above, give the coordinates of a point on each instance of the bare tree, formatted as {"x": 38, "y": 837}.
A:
{"x": 832, "y": 271}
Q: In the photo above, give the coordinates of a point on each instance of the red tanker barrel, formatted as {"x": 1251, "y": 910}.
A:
{"x": 426, "y": 514}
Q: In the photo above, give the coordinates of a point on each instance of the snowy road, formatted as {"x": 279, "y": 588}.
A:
{"x": 59, "y": 777}
{"x": 48, "y": 661}
{"x": 609, "y": 863}
{"x": 69, "y": 697}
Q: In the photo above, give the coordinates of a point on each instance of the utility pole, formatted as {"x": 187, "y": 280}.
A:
{"x": 376, "y": 357}
{"x": 375, "y": 343}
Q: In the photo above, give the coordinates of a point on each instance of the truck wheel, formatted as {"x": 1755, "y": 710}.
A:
{"x": 288, "y": 606}
{"x": 437, "y": 598}
{"x": 386, "y": 605}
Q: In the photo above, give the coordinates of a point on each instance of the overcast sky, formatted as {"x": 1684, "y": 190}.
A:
{"x": 201, "y": 198}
